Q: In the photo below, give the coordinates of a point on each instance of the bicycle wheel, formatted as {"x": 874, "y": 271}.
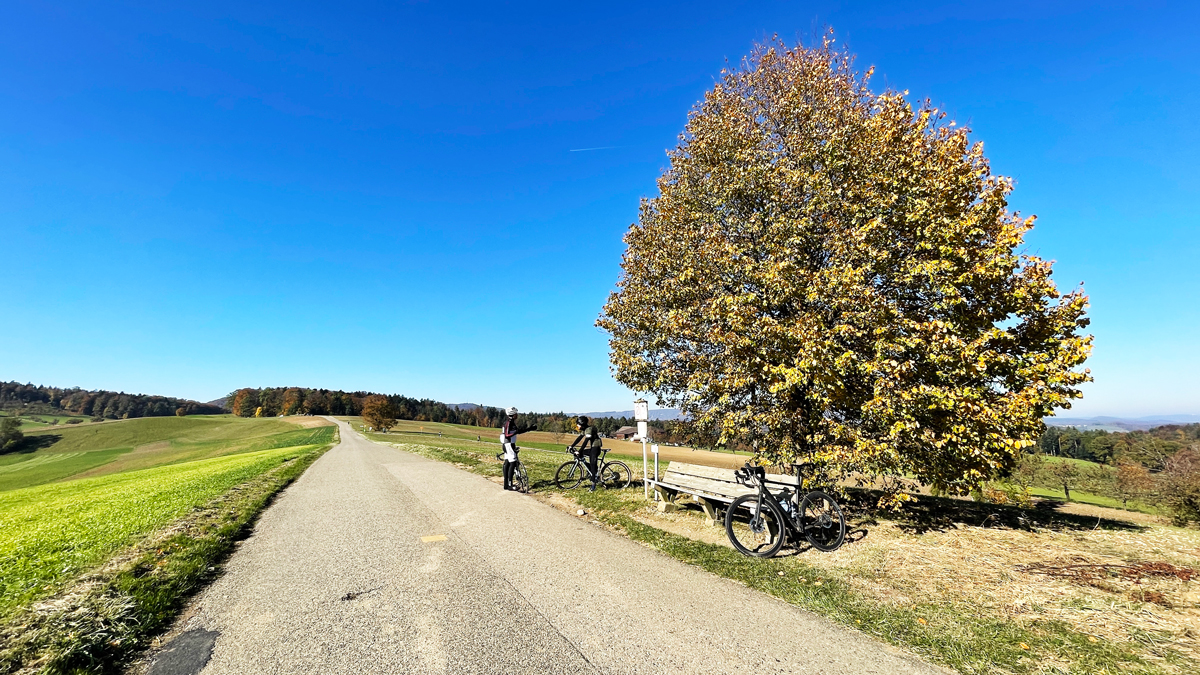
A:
{"x": 520, "y": 479}
{"x": 615, "y": 475}
{"x": 568, "y": 475}
{"x": 755, "y": 529}
{"x": 821, "y": 521}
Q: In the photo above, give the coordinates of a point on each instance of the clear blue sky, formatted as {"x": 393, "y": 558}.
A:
{"x": 384, "y": 196}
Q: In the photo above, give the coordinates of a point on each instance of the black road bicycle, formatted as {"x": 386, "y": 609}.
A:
{"x": 520, "y": 478}
{"x": 758, "y": 524}
{"x": 614, "y": 475}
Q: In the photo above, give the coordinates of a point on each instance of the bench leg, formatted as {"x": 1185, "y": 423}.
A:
{"x": 711, "y": 511}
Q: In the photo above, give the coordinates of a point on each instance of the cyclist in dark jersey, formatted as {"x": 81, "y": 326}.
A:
{"x": 590, "y": 447}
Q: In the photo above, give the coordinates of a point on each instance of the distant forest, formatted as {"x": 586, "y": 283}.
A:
{"x": 1151, "y": 448}
{"x": 110, "y": 405}
{"x": 271, "y": 402}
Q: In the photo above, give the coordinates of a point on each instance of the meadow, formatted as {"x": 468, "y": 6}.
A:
{"x": 552, "y": 442}
{"x": 36, "y": 422}
{"x": 91, "y": 450}
{"x": 107, "y": 529}
{"x": 51, "y": 533}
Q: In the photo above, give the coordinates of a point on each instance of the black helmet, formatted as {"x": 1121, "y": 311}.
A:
{"x": 582, "y": 421}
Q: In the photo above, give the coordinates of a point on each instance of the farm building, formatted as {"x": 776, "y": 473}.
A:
{"x": 624, "y": 433}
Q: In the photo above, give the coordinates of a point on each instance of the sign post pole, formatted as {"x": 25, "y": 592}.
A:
{"x": 641, "y": 413}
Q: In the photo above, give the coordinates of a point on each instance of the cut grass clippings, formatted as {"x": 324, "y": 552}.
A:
{"x": 94, "y": 623}
{"x": 966, "y": 637}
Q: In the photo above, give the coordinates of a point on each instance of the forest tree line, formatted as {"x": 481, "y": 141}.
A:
{"x": 1151, "y": 448}
{"x": 99, "y": 404}
{"x": 272, "y": 402}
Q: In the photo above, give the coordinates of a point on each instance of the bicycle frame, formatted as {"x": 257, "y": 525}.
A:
{"x": 581, "y": 462}
{"x": 765, "y": 494}
{"x": 759, "y": 479}
{"x": 815, "y": 517}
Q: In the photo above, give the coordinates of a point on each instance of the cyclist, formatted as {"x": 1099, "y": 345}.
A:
{"x": 508, "y": 439}
{"x": 591, "y": 445}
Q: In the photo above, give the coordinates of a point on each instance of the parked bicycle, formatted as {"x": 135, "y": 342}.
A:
{"x": 520, "y": 478}
{"x": 614, "y": 475}
{"x": 772, "y": 517}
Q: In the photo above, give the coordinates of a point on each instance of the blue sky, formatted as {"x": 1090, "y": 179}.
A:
{"x": 384, "y": 196}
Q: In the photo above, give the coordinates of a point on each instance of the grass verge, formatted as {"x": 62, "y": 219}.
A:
{"x": 966, "y": 636}
{"x": 97, "y": 621}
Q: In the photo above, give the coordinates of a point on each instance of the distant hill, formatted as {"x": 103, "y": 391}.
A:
{"x": 1106, "y": 423}
{"x": 463, "y": 406}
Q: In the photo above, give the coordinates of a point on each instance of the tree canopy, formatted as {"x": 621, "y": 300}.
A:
{"x": 40, "y": 399}
{"x": 378, "y": 413}
{"x": 10, "y": 433}
{"x": 834, "y": 274}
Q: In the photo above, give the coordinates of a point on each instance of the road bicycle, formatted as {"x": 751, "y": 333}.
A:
{"x": 520, "y": 478}
{"x": 816, "y": 518}
{"x": 614, "y": 475}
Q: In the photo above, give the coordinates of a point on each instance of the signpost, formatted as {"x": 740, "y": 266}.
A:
{"x": 654, "y": 449}
{"x": 641, "y": 413}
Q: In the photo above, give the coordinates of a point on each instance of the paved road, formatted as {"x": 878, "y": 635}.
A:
{"x": 454, "y": 575}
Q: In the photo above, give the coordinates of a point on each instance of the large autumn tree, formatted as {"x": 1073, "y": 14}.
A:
{"x": 834, "y": 274}
{"x": 378, "y": 413}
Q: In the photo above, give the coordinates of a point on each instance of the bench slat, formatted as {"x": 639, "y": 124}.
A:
{"x": 703, "y": 483}
{"x": 728, "y": 490}
{"x": 716, "y": 473}
{"x": 698, "y": 471}
{"x": 695, "y": 492}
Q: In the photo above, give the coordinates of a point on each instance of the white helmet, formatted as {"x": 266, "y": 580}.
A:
{"x": 512, "y": 412}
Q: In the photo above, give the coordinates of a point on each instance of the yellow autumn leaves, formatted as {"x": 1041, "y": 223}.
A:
{"x": 831, "y": 273}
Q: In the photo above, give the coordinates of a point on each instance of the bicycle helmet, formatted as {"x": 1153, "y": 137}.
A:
{"x": 582, "y": 421}
{"x": 512, "y": 412}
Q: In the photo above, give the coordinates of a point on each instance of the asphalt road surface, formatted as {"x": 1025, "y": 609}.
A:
{"x": 379, "y": 561}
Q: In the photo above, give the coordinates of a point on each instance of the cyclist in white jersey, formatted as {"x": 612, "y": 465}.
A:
{"x": 508, "y": 439}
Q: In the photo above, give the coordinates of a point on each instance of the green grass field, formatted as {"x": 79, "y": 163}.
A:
{"x": 1080, "y": 464}
{"x": 90, "y": 450}
{"x": 33, "y": 422}
{"x": 1081, "y": 496}
{"x": 119, "y": 523}
{"x": 440, "y": 433}
{"x": 50, "y": 533}
{"x": 75, "y": 496}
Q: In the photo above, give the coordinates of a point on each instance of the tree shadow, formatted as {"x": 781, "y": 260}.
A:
{"x": 32, "y": 444}
{"x": 938, "y": 514}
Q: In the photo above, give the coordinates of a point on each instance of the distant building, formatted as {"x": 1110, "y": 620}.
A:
{"x": 624, "y": 433}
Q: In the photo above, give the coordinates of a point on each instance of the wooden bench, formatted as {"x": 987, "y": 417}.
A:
{"x": 710, "y": 487}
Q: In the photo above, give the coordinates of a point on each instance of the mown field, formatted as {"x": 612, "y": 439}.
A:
{"x": 106, "y": 529}
{"x": 628, "y": 451}
{"x": 51, "y": 533}
{"x": 91, "y": 450}
{"x": 979, "y": 588}
{"x": 34, "y": 422}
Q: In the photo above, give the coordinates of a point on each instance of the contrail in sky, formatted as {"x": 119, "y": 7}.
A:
{"x": 603, "y": 147}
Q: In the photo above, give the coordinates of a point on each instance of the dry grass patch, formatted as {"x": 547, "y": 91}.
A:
{"x": 1005, "y": 571}
{"x": 1134, "y": 583}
